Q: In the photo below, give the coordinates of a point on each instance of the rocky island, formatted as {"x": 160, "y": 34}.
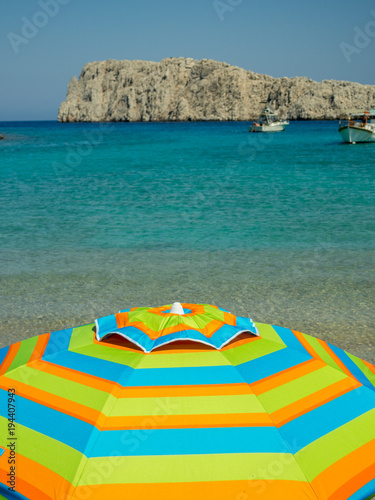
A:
{"x": 184, "y": 89}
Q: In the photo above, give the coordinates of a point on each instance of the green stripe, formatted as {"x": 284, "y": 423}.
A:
{"x": 295, "y": 390}
{"x": 82, "y": 342}
{"x": 363, "y": 367}
{"x": 251, "y": 351}
{"x": 322, "y": 352}
{"x": 269, "y": 333}
{"x": 73, "y": 391}
{"x": 81, "y": 336}
{"x": 183, "y": 360}
{"x": 191, "y": 468}
{"x": 56, "y": 456}
{"x": 194, "y": 405}
{"x": 120, "y": 356}
{"x": 268, "y": 343}
{"x": 24, "y": 353}
{"x": 157, "y": 323}
{"x": 330, "y": 448}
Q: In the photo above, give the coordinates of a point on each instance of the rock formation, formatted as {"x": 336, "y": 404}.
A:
{"x": 179, "y": 89}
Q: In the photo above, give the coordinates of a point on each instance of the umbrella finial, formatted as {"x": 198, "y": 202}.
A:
{"x": 177, "y": 309}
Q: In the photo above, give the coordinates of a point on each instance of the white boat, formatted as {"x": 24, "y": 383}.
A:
{"x": 360, "y": 127}
{"x": 268, "y": 121}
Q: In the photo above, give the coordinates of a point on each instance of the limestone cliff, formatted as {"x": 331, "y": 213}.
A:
{"x": 179, "y": 89}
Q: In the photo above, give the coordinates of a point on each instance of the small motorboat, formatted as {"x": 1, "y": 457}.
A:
{"x": 268, "y": 121}
{"x": 359, "y": 127}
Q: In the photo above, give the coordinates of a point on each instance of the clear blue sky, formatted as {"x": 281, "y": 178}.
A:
{"x": 280, "y": 38}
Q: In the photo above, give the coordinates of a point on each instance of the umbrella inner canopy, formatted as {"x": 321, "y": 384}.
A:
{"x": 149, "y": 328}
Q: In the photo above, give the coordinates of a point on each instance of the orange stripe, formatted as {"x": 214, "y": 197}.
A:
{"x": 190, "y": 346}
{"x": 369, "y": 366}
{"x": 306, "y": 345}
{"x": 244, "y": 338}
{"x": 195, "y": 309}
{"x": 55, "y": 402}
{"x": 185, "y": 390}
{"x": 24, "y": 488}
{"x": 335, "y": 358}
{"x": 35, "y": 481}
{"x": 115, "y": 342}
{"x": 286, "y": 376}
{"x": 207, "y": 331}
{"x": 262, "y": 489}
{"x": 99, "y": 420}
{"x": 11, "y": 354}
{"x": 76, "y": 376}
{"x": 124, "y": 319}
{"x": 179, "y": 347}
{"x": 309, "y": 403}
{"x": 188, "y": 421}
{"x": 355, "y": 484}
{"x": 347, "y": 475}
{"x": 40, "y": 347}
{"x": 229, "y": 318}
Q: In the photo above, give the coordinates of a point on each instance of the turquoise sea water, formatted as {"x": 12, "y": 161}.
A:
{"x": 99, "y": 217}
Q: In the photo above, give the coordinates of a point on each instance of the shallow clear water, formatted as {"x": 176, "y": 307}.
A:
{"x": 98, "y": 217}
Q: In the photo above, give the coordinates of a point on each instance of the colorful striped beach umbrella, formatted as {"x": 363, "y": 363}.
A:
{"x": 184, "y": 402}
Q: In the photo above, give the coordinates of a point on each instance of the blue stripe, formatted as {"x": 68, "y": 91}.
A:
{"x": 245, "y": 324}
{"x": 188, "y": 441}
{"x": 267, "y": 365}
{"x": 289, "y": 339}
{"x": 307, "y": 428}
{"x": 108, "y": 370}
{"x": 184, "y": 334}
{"x": 221, "y": 336}
{"x": 351, "y": 366}
{"x": 52, "y": 423}
{"x": 130, "y": 332}
{"x": 2, "y": 450}
{"x": 365, "y": 492}
{"x": 58, "y": 341}
{"x": 3, "y": 353}
{"x": 127, "y": 376}
{"x": 107, "y": 324}
{"x": 227, "y": 332}
{"x": 184, "y": 376}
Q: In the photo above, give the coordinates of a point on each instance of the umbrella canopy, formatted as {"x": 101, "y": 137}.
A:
{"x": 186, "y": 402}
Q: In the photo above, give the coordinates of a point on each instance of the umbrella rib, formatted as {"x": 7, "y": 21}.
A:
{"x": 86, "y": 459}
{"x": 286, "y": 444}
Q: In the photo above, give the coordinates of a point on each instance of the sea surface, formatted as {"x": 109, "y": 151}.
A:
{"x": 100, "y": 217}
